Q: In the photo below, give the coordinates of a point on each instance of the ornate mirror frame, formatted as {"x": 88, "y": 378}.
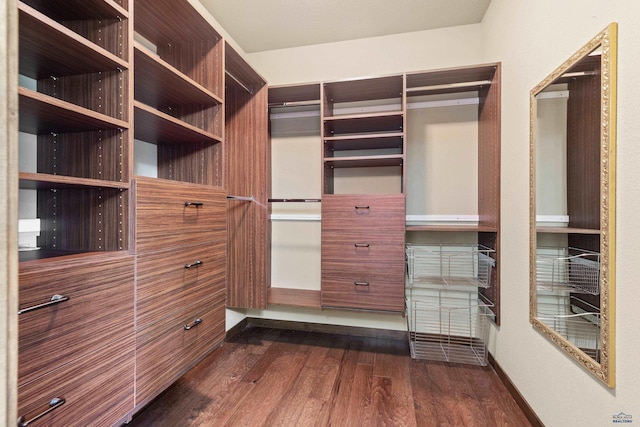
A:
{"x": 603, "y": 369}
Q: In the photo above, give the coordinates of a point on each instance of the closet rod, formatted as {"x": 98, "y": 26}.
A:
{"x": 294, "y": 103}
{"x": 294, "y": 200}
{"x": 450, "y": 86}
{"x": 241, "y": 198}
{"x": 237, "y": 80}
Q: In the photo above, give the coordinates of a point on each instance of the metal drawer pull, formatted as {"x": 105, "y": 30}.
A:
{"x": 195, "y": 204}
{"x": 56, "y": 299}
{"x": 362, "y": 245}
{"x": 54, "y": 403}
{"x": 362, "y": 207}
{"x": 195, "y": 323}
{"x": 195, "y": 264}
{"x": 361, "y": 283}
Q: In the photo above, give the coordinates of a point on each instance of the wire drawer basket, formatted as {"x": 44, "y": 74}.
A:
{"x": 440, "y": 264}
{"x": 566, "y": 268}
{"x": 449, "y": 328}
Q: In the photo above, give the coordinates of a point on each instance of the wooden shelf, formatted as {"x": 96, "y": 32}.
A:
{"x": 293, "y": 94}
{"x": 40, "y": 113}
{"x": 453, "y": 228}
{"x": 73, "y": 10}
{"x": 156, "y": 127}
{"x": 40, "y": 181}
{"x": 566, "y": 230}
{"x": 159, "y": 84}
{"x": 364, "y": 89}
{"x": 294, "y": 297}
{"x": 48, "y": 48}
{"x": 364, "y": 142}
{"x": 364, "y": 161}
{"x": 363, "y": 124}
{"x": 450, "y": 80}
{"x": 166, "y": 21}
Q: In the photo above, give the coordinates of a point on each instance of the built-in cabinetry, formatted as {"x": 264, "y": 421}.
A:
{"x": 76, "y": 317}
{"x": 378, "y": 188}
{"x": 123, "y": 206}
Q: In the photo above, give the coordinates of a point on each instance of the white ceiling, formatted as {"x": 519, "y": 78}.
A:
{"x": 258, "y": 25}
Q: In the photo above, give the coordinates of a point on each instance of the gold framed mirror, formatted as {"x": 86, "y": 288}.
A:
{"x": 572, "y": 205}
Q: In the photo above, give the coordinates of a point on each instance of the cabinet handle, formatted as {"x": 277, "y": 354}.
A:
{"x": 195, "y": 264}
{"x": 193, "y": 325}
{"x": 194, "y": 204}
{"x": 362, "y": 245}
{"x": 54, "y": 404}
{"x": 56, "y": 299}
{"x": 361, "y": 283}
{"x": 362, "y": 207}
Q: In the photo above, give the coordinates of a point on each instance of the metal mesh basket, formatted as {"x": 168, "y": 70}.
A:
{"x": 573, "y": 269}
{"x": 452, "y": 265}
{"x": 449, "y": 328}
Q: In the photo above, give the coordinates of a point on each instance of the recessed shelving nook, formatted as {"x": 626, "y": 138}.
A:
{"x": 74, "y": 123}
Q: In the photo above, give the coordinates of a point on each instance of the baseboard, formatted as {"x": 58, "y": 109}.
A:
{"x": 326, "y": 328}
{"x": 238, "y": 328}
{"x": 513, "y": 390}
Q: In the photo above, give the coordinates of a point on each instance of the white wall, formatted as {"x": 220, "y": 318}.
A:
{"x": 532, "y": 38}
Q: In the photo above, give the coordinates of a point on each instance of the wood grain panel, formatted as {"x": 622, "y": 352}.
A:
{"x": 354, "y": 248}
{"x": 583, "y": 151}
{"x": 165, "y": 351}
{"x": 489, "y": 131}
{"x": 110, "y": 34}
{"x": 160, "y": 218}
{"x": 201, "y": 60}
{"x": 364, "y": 90}
{"x": 342, "y": 213}
{"x": 164, "y": 284}
{"x": 103, "y": 92}
{"x": 248, "y": 173}
{"x": 83, "y": 219}
{"x": 384, "y": 290}
{"x": 98, "y": 313}
{"x": 98, "y": 389}
{"x": 99, "y": 154}
{"x": 196, "y": 163}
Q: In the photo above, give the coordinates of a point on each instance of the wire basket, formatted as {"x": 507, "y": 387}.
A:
{"x": 451, "y": 265}
{"x": 566, "y": 268}
{"x": 449, "y": 328}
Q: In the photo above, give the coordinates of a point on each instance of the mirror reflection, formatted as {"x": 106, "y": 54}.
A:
{"x": 572, "y": 199}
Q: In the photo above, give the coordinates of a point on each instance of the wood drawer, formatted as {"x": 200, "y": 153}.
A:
{"x": 363, "y": 247}
{"x": 165, "y": 284}
{"x": 166, "y": 350}
{"x": 381, "y": 292}
{"x": 169, "y": 213}
{"x": 97, "y": 389}
{"x": 363, "y": 213}
{"x": 99, "y": 310}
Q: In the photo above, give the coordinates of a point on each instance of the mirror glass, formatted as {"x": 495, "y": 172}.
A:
{"x": 572, "y": 205}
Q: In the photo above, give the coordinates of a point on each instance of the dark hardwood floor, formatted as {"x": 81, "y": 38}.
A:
{"x": 273, "y": 377}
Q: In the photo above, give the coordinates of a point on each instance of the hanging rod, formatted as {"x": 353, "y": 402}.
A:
{"x": 449, "y": 86}
{"x": 295, "y": 103}
{"x": 237, "y": 80}
{"x": 241, "y": 198}
{"x": 294, "y": 200}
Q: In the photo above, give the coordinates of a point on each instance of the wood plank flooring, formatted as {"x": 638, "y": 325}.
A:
{"x": 273, "y": 377}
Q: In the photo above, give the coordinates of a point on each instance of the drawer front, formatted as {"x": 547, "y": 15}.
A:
{"x": 99, "y": 310}
{"x": 168, "y": 214}
{"x": 97, "y": 390}
{"x": 360, "y": 290}
{"x": 167, "y": 349}
{"x": 362, "y": 247}
{"x": 168, "y": 281}
{"x": 363, "y": 213}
